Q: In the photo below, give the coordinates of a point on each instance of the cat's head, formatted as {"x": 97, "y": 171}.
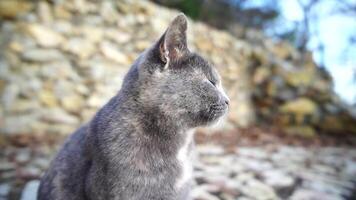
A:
{"x": 179, "y": 84}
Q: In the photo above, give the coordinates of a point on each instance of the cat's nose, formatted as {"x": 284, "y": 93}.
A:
{"x": 227, "y": 102}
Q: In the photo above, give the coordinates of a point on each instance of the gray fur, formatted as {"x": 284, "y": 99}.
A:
{"x": 129, "y": 149}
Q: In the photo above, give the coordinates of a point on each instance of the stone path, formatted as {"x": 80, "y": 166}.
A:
{"x": 246, "y": 173}
{"x": 278, "y": 172}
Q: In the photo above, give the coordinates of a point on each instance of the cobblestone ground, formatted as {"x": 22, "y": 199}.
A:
{"x": 278, "y": 172}
{"x": 250, "y": 172}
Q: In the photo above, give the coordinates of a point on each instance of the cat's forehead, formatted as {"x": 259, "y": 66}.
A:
{"x": 205, "y": 67}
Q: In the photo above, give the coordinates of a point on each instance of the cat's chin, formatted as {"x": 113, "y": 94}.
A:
{"x": 216, "y": 123}
{"x": 211, "y": 127}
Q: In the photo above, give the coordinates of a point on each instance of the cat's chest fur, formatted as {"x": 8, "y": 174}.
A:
{"x": 184, "y": 159}
{"x": 177, "y": 168}
{"x": 165, "y": 164}
{"x": 142, "y": 170}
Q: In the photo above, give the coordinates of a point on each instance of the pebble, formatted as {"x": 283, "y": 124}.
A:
{"x": 304, "y": 194}
{"x": 252, "y": 152}
{"x": 30, "y": 190}
{"x": 200, "y": 193}
{"x": 278, "y": 179}
{"x": 4, "y": 190}
{"x": 258, "y": 190}
{"x": 60, "y": 116}
{"x": 79, "y": 47}
{"x": 42, "y": 163}
{"x": 72, "y": 103}
{"x": 111, "y": 52}
{"x": 42, "y": 55}
{"x": 44, "y": 36}
{"x": 30, "y": 172}
{"x": 210, "y": 149}
{"x": 23, "y": 156}
{"x": 7, "y": 176}
{"x": 6, "y": 166}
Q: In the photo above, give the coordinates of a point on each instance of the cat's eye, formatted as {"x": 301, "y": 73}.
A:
{"x": 212, "y": 82}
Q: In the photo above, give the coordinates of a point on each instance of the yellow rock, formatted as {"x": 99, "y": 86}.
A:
{"x": 16, "y": 46}
{"x": 304, "y": 131}
{"x": 12, "y": 8}
{"x": 259, "y": 55}
{"x": 282, "y": 119}
{"x": 272, "y": 89}
{"x": 72, "y": 103}
{"x": 47, "y": 98}
{"x": 80, "y": 47}
{"x": 2, "y": 85}
{"x": 302, "y": 106}
{"x": 332, "y": 124}
{"x": 45, "y": 36}
{"x": 111, "y": 52}
{"x": 3, "y": 140}
{"x": 261, "y": 74}
{"x": 142, "y": 45}
{"x": 299, "y": 78}
{"x": 22, "y": 106}
{"x": 61, "y": 12}
{"x": 343, "y": 123}
{"x": 281, "y": 50}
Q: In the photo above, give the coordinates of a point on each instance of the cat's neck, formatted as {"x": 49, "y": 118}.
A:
{"x": 152, "y": 125}
{"x": 147, "y": 121}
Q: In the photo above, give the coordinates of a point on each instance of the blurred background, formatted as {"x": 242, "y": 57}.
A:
{"x": 289, "y": 68}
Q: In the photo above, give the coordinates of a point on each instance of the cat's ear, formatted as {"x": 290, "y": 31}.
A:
{"x": 173, "y": 44}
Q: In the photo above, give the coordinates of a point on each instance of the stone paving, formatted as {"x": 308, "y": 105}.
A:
{"x": 278, "y": 172}
{"x": 246, "y": 173}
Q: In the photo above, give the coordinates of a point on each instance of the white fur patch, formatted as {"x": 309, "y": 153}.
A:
{"x": 218, "y": 125}
{"x": 221, "y": 89}
{"x": 185, "y": 160}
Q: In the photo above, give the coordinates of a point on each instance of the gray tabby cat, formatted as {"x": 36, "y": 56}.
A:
{"x": 138, "y": 146}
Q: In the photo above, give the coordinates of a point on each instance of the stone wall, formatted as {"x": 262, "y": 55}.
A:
{"x": 61, "y": 60}
{"x": 290, "y": 91}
